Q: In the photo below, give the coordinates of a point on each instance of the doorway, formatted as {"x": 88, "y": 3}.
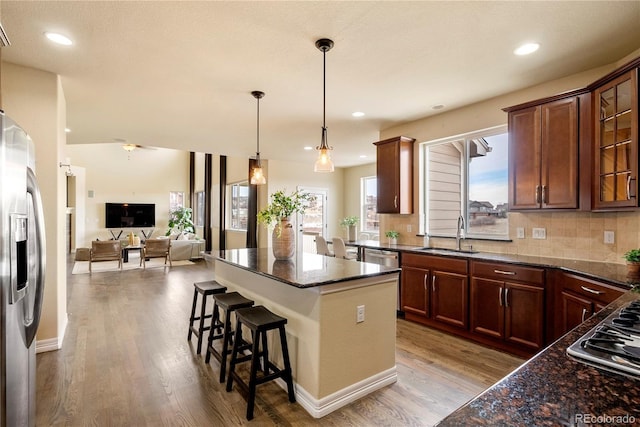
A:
{"x": 314, "y": 220}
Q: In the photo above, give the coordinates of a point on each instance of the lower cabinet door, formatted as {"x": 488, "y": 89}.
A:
{"x": 449, "y": 301}
{"x": 524, "y": 315}
{"x": 487, "y": 311}
{"x": 414, "y": 291}
{"x": 575, "y": 310}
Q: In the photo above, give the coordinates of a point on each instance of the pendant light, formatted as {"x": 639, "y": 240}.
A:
{"x": 257, "y": 177}
{"x": 324, "y": 163}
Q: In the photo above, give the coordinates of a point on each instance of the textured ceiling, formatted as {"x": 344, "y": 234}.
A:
{"x": 179, "y": 74}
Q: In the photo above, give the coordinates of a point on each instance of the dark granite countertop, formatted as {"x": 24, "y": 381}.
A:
{"x": 615, "y": 274}
{"x": 304, "y": 270}
{"x": 552, "y": 389}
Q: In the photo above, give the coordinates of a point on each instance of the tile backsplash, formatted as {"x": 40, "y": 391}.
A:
{"x": 572, "y": 235}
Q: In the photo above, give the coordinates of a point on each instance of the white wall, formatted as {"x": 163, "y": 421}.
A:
{"x": 288, "y": 176}
{"x": 352, "y": 196}
{"x": 35, "y": 100}
{"x": 114, "y": 175}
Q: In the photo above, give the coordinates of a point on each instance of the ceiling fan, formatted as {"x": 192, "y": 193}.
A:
{"x": 130, "y": 147}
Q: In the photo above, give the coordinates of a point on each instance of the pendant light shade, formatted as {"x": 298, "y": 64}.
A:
{"x": 324, "y": 162}
{"x": 257, "y": 177}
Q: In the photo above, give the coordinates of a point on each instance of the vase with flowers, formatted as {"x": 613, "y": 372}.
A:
{"x": 633, "y": 265}
{"x": 392, "y": 235}
{"x": 278, "y": 216}
{"x": 350, "y": 223}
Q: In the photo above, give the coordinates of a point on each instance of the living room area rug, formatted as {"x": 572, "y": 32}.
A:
{"x": 82, "y": 267}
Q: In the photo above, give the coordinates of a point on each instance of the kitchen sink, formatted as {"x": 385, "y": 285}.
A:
{"x": 456, "y": 251}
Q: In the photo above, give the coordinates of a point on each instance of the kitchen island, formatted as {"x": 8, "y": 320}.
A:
{"x": 336, "y": 357}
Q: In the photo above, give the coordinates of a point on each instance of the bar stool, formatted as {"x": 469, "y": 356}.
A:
{"x": 228, "y": 302}
{"x": 210, "y": 287}
{"x": 259, "y": 320}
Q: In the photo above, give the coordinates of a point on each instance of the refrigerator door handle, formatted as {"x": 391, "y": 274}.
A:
{"x": 32, "y": 189}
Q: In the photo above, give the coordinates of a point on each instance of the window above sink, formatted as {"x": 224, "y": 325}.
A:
{"x": 466, "y": 175}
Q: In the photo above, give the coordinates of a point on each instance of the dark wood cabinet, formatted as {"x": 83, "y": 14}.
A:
{"x": 435, "y": 291}
{"x": 544, "y": 155}
{"x": 507, "y": 304}
{"x": 394, "y": 175}
{"x": 449, "y": 298}
{"x": 576, "y": 299}
{"x": 487, "y": 312}
{"x": 616, "y": 143}
{"x": 414, "y": 291}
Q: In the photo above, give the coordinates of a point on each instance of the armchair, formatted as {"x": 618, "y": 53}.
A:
{"x": 109, "y": 250}
{"x": 156, "y": 248}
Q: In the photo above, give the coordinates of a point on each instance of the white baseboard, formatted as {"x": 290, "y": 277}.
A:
{"x": 318, "y": 408}
{"x": 52, "y": 344}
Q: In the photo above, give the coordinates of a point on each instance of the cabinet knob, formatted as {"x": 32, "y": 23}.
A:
{"x": 433, "y": 283}
{"x": 506, "y": 297}
{"x": 395, "y": 201}
{"x": 500, "y": 296}
{"x": 537, "y": 194}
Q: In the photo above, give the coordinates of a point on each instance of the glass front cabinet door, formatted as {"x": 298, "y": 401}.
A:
{"x": 616, "y": 133}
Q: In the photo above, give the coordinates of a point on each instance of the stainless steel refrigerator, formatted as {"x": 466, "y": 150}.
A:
{"x": 22, "y": 264}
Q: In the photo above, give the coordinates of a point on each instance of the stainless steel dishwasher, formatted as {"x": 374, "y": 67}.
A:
{"x": 384, "y": 257}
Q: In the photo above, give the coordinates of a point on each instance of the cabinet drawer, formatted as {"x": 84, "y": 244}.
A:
{"x": 590, "y": 289}
{"x": 453, "y": 265}
{"x": 507, "y": 272}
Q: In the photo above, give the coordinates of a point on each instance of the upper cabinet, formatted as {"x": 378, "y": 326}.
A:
{"x": 394, "y": 169}
{"x": 544, "y": 154}
{"x": 616, "y": 143}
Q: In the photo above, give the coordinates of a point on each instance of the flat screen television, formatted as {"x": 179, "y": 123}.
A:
{"x": 126, "y": 215}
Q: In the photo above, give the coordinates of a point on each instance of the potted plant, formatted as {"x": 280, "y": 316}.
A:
{"x": 633, "y": 264}
{"x": 277, "y": 215}
{"x": 393, "y": 236}
{"x": 180, "y": 221}
{"x": 350, "y": 223}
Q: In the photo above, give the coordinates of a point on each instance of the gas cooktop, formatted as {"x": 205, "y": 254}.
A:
{"x": 614, "y": 344}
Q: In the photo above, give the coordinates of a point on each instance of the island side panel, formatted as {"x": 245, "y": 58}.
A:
{"x": 352, "y": 352}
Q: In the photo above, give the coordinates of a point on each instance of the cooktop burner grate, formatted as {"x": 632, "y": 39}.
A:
{"x": 614, "y": 344}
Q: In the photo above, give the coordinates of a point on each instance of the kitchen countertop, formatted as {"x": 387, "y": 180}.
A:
{"x": 614, "y": 273}
{"x": 552, "y": 389}
{"x": 304, "y": 270}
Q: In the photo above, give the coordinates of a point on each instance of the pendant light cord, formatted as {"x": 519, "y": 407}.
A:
{"x": 258, "y": 132}
{"x": 324, "y": 87}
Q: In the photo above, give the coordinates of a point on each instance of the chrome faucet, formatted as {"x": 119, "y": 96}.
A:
{"x": 459, "y": 232}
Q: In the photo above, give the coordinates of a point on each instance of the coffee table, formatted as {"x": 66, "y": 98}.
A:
{"x": 126, "y": 249}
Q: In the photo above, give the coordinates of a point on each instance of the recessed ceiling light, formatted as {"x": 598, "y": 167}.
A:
{"x": 59, "y": 38}
{"x": 308, "y": 148}
{"x": 526, "y": 49}
{"x": 357, "y": 114}
{"x": 67, "y": 130}
{"x": 363, "y": 156}
{"x": 437, "y": 107}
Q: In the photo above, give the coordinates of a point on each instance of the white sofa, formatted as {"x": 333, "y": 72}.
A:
{"x": 185, "y": 248}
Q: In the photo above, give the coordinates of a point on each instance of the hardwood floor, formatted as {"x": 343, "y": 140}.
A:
{"x": 126, "y": 361}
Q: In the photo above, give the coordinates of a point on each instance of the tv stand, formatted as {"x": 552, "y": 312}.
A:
{"x": 147, "y": 236}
